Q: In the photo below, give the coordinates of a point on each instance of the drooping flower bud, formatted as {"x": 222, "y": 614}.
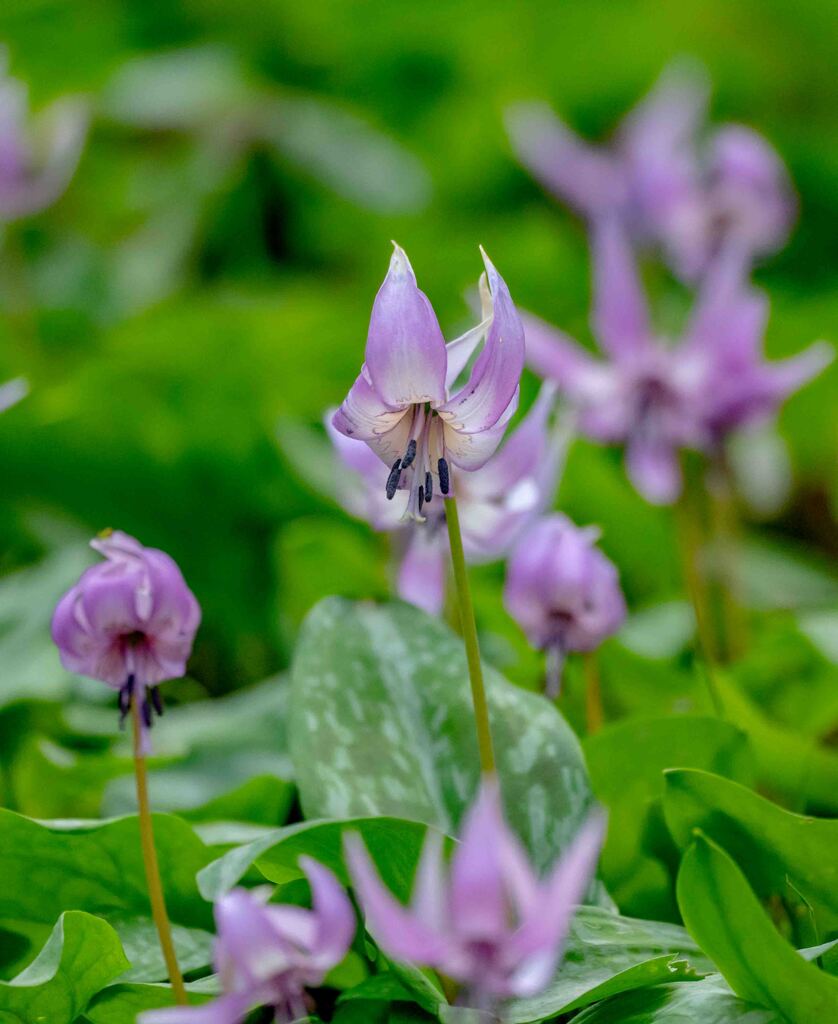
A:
{"x": 129, "y": 621}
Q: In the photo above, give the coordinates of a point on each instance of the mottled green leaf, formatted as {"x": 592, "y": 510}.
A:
{"x": 724, "y": 916}
{"x": 120, "y": 1003}
{"x": 381, "y": 723}
{"x": 82, "y": 955}
{"x": 709, "y": 1001}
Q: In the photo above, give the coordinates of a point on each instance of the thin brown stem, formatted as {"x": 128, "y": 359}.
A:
{"x": 594, "y": 715}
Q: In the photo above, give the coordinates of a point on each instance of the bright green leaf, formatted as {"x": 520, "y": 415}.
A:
{"x": 726, "y": 919}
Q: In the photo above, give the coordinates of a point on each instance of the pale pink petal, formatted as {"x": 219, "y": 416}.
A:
{"x": 478, "y": 895}
{"x": 333, "y": 912}
{"x": 620, "y": 315}
{"x": 423, "y": 570}
{"x": 405, "y": 354}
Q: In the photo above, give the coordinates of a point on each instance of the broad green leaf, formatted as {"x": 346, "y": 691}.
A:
{"x": 394, "y": 845}
{"x": 632, "y": 795}
{"x": 779, "y": 577}
{"x": 97, "y": 867}
{"x": 82, "y": 955}
{"x": 709, "y": 1001}
{"x": 607, "y": 954}
{"x": 142, "y": 948}
{"x": 660, "y": 630}
{"x": 120, "y": 1003}
{"x": 724, "y": 916}
{"x": 381, "y": 723}
{"x": 787, "y": 762}
{"x": 774, "y": 846}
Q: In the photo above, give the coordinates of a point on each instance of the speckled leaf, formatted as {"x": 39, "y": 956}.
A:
{"x": 81, "y": 956}
{"x": 709, "y": 1001}
{"x": 381, "y": 723}
{"x": 607, "y": 954}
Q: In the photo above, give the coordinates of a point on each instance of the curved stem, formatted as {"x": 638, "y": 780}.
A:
{"x": 593, "y": 693}
{"x": 152, "y": 868}
{"x": 468, "y": 628}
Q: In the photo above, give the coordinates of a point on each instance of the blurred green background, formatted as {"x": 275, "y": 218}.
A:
{"x": 204, "y": 285}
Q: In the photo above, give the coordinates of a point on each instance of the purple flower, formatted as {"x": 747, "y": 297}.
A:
{"x": 496, "y": 502}
{"x": 655, "y": 398}
{"x": 693, "y": 194}
{"x": 11, "y": 392}
{"x": 562, "y": 590}
{"x": 486, "y": 920}
{"x": 401, "y": 403}
{"x": 129, "y": 621}
{"x": 269, "y": 954}
{"x": 37, "y": 159}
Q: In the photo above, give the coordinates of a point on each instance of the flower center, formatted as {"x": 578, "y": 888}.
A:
{"x": 423, "y": 459}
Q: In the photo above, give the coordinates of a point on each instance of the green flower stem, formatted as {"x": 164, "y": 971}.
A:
{"x": 689, "y": 533}
{"x": 469, "y": 631}
{"x": 152, "y": 868}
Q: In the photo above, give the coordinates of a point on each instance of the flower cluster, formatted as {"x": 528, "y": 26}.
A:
{"x": 692, "y": 193}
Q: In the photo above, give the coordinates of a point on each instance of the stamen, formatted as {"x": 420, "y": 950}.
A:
{"x": 156, "y": 699}
{"x": 125, "y": 694}
{"x": 444, "y": 479}
{"x": 429, "y": 486}
{"x": 421, "y": 498}
{"x": 393, "y": 479}
{"x": 148, "y": 717}
{"x": 410, "y": 454}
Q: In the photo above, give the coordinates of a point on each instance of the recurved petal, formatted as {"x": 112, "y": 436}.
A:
{"x": 471, "y": 450}
{"x": 364, "y": 414}
{"x": 422, "y": 571}
{"x": 620, "y": 314}
{"x": 654, "y": 469}
{"x": 590, "y": 179}
{"x": 536, "y": 946}
{"x": 333, "y": 912}
{"x": 229, "y": 1009}
{"x": 400, "y": 932}
{"x": 478, "y": 893}
{"x": 405, "y": 354}
{"x": 496, "y": 374}
{"x": 461, "y": 349}
{"x": 555, "y": 355}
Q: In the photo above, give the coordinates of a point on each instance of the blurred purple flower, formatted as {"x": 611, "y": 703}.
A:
{"x": 38, "y": 155}
{"x": 130, "y": 622}
{"x": 12, "y": 392}
{"x": 401, "y": 404}
{"x": 668, "y": 183}
{"x": 269, "y": 954}
{"x": 496, "y": 502}
{"x": 562, "y": 591}
{"x": 485, "y": 920}
{"x": 656, "y": 398}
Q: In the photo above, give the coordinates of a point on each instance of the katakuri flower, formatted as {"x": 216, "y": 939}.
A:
{"x": 563, "y": 591}
{"x": 486, "y": 919}
{"x": 669, "y": 182}
{"x": 268, "y": 954}
{"x": 12, "y": 392}
{"x": 38, "y": 155}
{"x": 130, "y": 622}
{"x": 495, "y": 502}
{"x": 656, "y": 398}
{"x": 401, "y": 403}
